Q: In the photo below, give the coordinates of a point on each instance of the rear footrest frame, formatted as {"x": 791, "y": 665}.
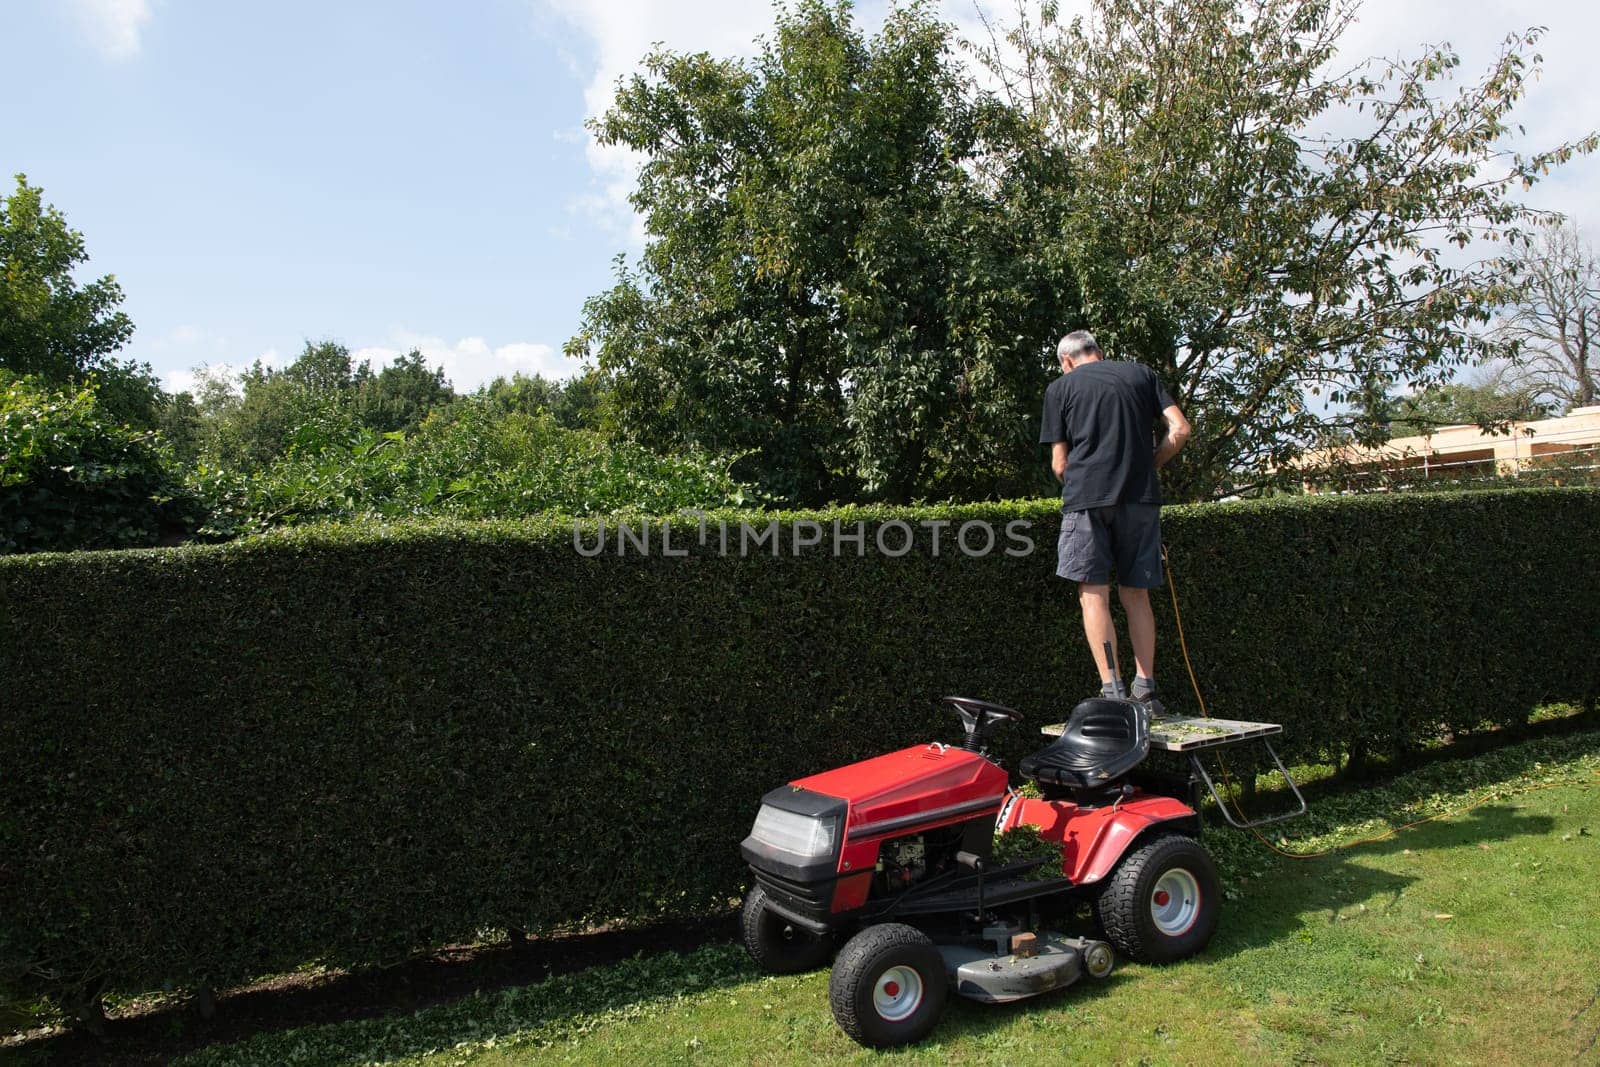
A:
{"x": 1222, "y": 804}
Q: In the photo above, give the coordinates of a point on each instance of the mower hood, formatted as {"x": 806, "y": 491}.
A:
{"x": 914, "y": 787}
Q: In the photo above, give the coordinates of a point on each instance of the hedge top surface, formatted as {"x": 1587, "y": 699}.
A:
{"x": 559, "y": 528}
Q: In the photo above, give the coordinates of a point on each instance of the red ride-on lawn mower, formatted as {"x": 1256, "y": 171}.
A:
{"x": 892, "y": 858}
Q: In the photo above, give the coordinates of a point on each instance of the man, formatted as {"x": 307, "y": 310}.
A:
{"x": 1099, "y": 420}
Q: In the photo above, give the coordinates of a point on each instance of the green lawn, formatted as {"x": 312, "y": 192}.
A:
{"x": 1471, "y": 939}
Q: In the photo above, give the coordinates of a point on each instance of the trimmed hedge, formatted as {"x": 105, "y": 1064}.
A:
{"x": 346, "y": 744}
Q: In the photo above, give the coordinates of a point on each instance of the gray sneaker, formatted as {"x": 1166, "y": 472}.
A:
{"x": 1157, "y": 709}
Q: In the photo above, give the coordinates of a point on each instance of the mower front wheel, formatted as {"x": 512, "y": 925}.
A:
{"x": 888, "y": 986}
{"x": 1160, "y": 904}
{"x": 776, "y": 944}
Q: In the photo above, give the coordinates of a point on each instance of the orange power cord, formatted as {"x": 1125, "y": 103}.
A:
{"x": 1232, "y": 791}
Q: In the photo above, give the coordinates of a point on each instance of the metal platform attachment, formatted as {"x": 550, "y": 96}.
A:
{"x": 1172, "y": 733}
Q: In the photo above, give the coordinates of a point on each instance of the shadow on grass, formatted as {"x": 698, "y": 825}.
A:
{"x": 1301, "y": 888}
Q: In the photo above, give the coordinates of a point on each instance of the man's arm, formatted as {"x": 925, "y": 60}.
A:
{"x": 1058, "y": 460}
{"x": 1176, "y": 437}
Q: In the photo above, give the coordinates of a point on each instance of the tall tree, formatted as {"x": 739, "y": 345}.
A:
{"x": 402, "y": 394}
{"x": 830, "y": 285}
{"x": 1554, "y": 317}
{"x": 50, "y": 325}
{"x": 304, "y": 403}
{"x": 54, "y": 328}
{"x": 1274, "y": 274}
{"x": 575, "y": 403}
{"x": 321, "y": 367}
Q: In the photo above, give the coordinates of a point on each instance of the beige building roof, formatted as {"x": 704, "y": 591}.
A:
{"x": 1467, "y": 447}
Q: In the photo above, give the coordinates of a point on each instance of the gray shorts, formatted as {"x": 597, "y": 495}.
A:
{"x": 1124, "y": 536}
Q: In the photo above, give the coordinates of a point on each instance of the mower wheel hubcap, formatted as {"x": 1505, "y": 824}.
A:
{"x": 897, "y": 993}
{"x": 1175, "y": 902}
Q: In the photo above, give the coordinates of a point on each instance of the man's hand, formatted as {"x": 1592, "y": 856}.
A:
{"x": 1058, "y": 460}
{"x": 1177, "y": 436}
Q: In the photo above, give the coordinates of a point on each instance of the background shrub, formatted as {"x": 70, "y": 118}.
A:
{"x": 473, "y": 460}
{"x": 72, "y": 476}
{"x": 350, "y": 743}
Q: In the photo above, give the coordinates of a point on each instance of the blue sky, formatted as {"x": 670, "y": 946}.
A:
{"x": 407, "y": 173}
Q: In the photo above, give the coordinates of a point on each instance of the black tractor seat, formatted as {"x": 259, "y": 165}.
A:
{"x": 1103, "y": 739}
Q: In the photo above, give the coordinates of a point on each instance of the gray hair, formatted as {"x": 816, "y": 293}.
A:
{"x": 1078, "y": 343}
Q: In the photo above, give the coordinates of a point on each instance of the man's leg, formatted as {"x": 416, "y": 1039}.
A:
{"x": 1138, "y": 549}
{"x": 1141, "y": 632}
{"x": 1084, "y": 555}
{"x": 1098, "y": 628}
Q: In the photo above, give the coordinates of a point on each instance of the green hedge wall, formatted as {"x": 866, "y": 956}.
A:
{"x": 349, "y": 743}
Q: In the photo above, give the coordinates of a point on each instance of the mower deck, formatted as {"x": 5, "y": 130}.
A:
{"x": 979, "y": 973}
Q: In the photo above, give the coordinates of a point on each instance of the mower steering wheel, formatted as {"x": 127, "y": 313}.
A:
{"x": 980, "y": 711}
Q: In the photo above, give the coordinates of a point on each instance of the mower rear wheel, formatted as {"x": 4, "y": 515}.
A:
{"x": 777, "y": 945}
{"x": 888, "y": 986}
{"x": 1161, "y": 903}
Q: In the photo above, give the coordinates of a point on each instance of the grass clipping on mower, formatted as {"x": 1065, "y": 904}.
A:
{"x": 1024, "y": 843}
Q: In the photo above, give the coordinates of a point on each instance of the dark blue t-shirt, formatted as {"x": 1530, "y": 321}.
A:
{"x": 1106, "y": 412}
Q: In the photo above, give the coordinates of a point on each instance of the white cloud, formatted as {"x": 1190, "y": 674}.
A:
{"x": 113, "y": 26}
{"x": 185, "y": 381}
{"x": 471, "y": 361}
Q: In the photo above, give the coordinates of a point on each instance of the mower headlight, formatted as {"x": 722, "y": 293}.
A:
{"x": 798, "y": 835}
